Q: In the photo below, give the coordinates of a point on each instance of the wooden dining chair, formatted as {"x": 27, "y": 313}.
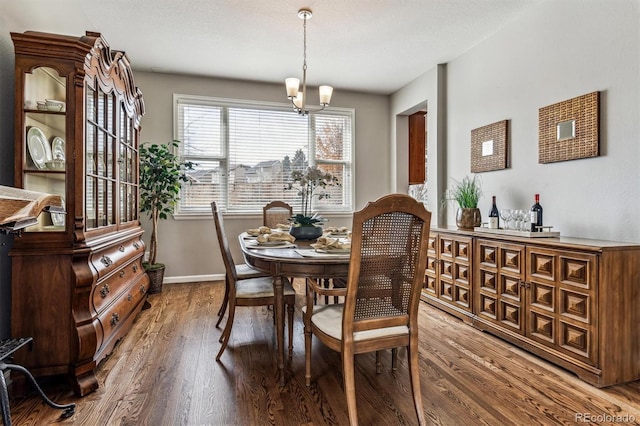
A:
{"x": 380, "y": 309}
{"x": 276, "y": 212}
{"x": 243, "y": 271}
{"x": 254, "y": 291}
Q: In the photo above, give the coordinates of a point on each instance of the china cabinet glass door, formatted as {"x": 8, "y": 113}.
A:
{"x": 44, "y": 148}
{"x": 100, "y": 158}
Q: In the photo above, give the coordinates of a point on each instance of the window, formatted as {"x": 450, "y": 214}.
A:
{"x": 245, "y": 153}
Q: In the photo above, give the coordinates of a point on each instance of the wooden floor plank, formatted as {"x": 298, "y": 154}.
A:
{"x": 164, "y": 373}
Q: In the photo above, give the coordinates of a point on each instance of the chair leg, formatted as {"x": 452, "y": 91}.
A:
{"x": 378, "y": 362}
{"x": 224, "y": 339}
{"x": 307, "y": 351}
{"x": 394, "y": 359}
{"x": 290, "y": 311}
{"x": 225, "y": 301}
{"x": 325, "y": 282}
{"x": 348, "y": 374}
{"x": 414, "y": 375}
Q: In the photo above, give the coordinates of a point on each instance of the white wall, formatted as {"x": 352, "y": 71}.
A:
{"x": 561, "y": 49}
{"x": 189, "y": 247}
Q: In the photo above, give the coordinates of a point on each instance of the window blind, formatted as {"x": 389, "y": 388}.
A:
{"x": 245, "y": 152}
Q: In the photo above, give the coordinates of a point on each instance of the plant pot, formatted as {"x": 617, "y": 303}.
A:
{"x": 468, "y": 218}
{"x": 156, "y": 276}
{"x": 306, "y": 232}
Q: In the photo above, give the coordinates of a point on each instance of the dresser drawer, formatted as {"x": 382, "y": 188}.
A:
{"x": 113, "y": 257}
{"x": 110, "y": 319}
{"x": 109, "y": 289}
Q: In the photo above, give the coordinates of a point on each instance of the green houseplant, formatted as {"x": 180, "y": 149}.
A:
{"x": 161, "y": 174}
{"x": 311, "y": 182}
{"x": 466, "y": 193}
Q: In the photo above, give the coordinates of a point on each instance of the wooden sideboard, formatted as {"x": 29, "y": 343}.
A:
{"x": 574, "y": 302}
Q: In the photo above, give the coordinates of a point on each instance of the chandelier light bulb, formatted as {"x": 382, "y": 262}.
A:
{"x": 297, "y": 97}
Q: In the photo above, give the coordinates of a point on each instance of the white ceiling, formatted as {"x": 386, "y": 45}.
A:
{"x": 374, "y": 46}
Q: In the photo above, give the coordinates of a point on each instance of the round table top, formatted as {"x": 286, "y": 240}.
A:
{"x": 299, "y": 260}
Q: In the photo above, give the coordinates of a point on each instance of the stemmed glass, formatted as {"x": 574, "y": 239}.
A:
{"x": 505, "y": 214}
{"x": 518, "y": 216}
{"x": 525, "y": 221}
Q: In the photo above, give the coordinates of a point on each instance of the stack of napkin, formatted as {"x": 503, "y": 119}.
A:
{"x": 327, "y": 243}
{"x": 332, "y": 230}
{"x": 275, "y": 236}
{"x": 283, "y": 227}
{"x": 254, "y": 232}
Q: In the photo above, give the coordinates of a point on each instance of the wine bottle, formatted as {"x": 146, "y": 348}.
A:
{"x": 536, "y": 215}
{"x": 494, "y": 216}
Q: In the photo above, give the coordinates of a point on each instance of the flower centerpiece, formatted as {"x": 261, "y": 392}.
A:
{"x": 311, "y": 182}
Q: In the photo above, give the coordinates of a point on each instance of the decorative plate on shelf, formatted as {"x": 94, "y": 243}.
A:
{"x": 57, "y": 148}
{"x": 39, "y": 147}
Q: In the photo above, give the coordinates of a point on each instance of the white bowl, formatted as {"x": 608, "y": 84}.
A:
{"x": 53, "y": 105}
{"x": 55, "y": 164}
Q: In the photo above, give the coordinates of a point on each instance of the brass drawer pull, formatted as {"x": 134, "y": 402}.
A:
{"x": 121, "y": 249}
{"x": 135, "y": 268}
{"x": 106, "y": 260}
{"x": 143, "y": 290}
{"x": 129, "y": 297}
{"x": 136, "y": 245}
{"x": 115, "y": 318}
{"x": 105, "y": 290}
{"x": 121, "y": 274}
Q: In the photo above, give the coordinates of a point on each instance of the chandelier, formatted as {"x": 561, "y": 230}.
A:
{"x": 299, "y": 98}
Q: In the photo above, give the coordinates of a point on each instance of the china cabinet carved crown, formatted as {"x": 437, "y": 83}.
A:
{"x": 77, "y": 278}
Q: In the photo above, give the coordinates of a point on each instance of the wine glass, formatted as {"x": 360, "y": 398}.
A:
{"x": 518, "y": 215}
{"x": 525, "y": 221}
{"x": 505, "y": 214}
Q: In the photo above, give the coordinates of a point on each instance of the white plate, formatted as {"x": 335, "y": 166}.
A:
{"x": 271, "y": 243}
{"x": 39, "y": 147}
{"x": 333, "y": 250}
{"x": 57, "y": 148}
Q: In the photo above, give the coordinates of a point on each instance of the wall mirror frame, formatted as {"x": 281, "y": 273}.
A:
{"x": 569, "y": 130}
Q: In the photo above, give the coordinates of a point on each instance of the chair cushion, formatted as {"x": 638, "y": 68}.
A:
{"x": 245, "y": 271}
{"x": 260, "y": 287}
{"x": 328, "y": 319}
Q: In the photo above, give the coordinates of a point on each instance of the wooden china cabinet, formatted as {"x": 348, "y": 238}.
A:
{"x": 77, "y": 278}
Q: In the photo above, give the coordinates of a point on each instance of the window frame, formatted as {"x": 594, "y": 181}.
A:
{"x": 223, "y": 159}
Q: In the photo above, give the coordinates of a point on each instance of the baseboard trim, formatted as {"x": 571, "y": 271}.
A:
{"x": 193, "y": 278}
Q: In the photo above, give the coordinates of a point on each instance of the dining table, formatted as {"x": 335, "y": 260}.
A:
{"x": 291, "y": 260}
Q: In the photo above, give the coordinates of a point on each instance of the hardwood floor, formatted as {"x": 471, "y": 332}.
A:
{"x": 164, "y": 373}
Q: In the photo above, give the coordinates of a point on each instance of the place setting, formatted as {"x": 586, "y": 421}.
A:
{"x": 265, "y": 237}
{"x": 327, "y": 246}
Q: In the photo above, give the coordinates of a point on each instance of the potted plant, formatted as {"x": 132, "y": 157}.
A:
{"x": 161, "y": 174}
{"x": 309, "y": 183}
{"x": 466, "y": 193}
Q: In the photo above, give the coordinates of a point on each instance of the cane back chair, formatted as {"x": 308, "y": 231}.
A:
{"x": 380, "y": 310}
